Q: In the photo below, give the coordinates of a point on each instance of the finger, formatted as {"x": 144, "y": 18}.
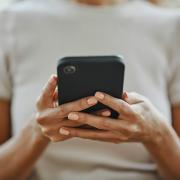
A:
{"x": 123, "y": 126}
{"x": 125, "y": 95}
{"x": 55, "y": 95}
{"x": 69, "y": 123}
{"x": 55, "y": 98}
{"x": 118, "y": 105}
{"x": 98, "y": 122}
{"x": 88, "y": 134}
{"x": 103, "y": 112}
{"x": 54, "y": 115}
{"x": 49, "y": 117}
{"x": 133, "y": 98}
{"x": 49, "y": 131}
{"x": 46, "y": 98}
{"x": 49, "y": 88}
{"x": 53, "y": 129}
{"x": 77, "y": 105}
{"x": 59, "y": 138}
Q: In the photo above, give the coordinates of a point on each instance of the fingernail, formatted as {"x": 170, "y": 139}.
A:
{"x": 99, "y": 95}
{"x": 92, "y": 101}
{"x": 64, "y": 132}
{"x": 106, "y": 113}
{"x": 125, "y": 95}
{"x": 73, "y": 116}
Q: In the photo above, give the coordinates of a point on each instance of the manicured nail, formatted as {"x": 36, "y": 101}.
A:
{"x": 106, "y": 113}
{"x": 73, "y": 116}
{"x": 92, "y": 101}
{"x": 64, "y": 132}
{"x": 99, "y": 95}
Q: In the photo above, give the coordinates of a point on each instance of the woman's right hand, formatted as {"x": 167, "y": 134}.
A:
{"x": 50, "y": 117}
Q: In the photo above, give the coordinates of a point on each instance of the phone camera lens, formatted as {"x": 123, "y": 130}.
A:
{"x": 69, "y": 69}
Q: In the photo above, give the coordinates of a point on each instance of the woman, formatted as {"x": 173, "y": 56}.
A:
{"x": 33, "y": 35}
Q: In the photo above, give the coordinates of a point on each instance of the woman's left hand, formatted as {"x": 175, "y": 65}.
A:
{"x": 138, "y": 121}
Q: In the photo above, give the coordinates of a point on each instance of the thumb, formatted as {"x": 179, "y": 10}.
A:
{"x": 46, "y": 99}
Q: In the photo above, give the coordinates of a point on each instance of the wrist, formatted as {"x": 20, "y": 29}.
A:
{"x": 36, "y": 134}
{"x": 164, "y": 138}
{"x": 159, "y": 136}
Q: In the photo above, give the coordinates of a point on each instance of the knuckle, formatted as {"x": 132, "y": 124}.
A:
{"x": 105, "y": 123}
{"x": 57, "y": 138}
{"x": 43, "y": 129}
{"x": 62, "y": 110}
{"x": 123, "y": 130}
{"x": 135, "y": 128}
{"x": 48, "y": 130}
{"x": 124, "y": 138}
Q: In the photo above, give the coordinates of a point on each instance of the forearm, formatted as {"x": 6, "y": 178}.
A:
{"x": 19, "y": 154}
{"x": 166, "y": 153}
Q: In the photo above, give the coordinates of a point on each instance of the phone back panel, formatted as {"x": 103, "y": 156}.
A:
{"x": 87, "y": 76}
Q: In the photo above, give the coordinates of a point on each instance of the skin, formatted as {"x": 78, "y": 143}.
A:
{"x": 41, "y": 129}
{"x": 5, "y": 130}
{"x": 139, "y": 122}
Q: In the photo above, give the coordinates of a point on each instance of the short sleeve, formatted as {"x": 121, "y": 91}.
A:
{"x": 174, "y": 82}
{"x": 5, "y": 78}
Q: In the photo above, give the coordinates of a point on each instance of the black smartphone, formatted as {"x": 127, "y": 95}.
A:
{"x": 83, "y": 76}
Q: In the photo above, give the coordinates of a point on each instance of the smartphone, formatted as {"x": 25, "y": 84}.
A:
{"x": 83, "y": 76}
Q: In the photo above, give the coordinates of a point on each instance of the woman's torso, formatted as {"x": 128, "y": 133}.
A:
{"x": 44, "y": 31}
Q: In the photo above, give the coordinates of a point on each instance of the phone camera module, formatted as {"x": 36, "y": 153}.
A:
{"x": 69, "y": 69}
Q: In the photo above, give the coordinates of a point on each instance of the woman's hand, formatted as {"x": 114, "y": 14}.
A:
{"x": 138, "y": 121}
{"x": 51, "y": 117}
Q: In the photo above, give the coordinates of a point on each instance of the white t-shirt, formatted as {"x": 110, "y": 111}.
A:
{"x": 35, "y": 34}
